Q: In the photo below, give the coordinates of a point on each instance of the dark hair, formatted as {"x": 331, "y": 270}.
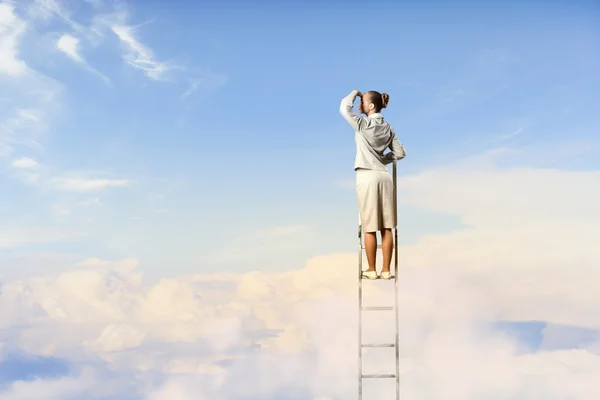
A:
{"x": 380, "y": 100}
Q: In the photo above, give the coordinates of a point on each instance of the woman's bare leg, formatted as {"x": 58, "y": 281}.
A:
{"x": 371, "y": 248}
{"x": 387, "y": 245}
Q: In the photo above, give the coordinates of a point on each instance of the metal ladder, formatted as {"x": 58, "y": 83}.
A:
{"x": 393, "y": 308}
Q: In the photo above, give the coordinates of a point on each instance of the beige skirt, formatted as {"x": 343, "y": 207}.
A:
{"x": 375, "y": 195}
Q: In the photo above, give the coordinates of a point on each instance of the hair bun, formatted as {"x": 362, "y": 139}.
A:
{"x": 385, "y": 98}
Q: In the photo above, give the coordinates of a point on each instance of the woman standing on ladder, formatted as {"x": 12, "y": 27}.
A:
{"x": 374, "y": 185}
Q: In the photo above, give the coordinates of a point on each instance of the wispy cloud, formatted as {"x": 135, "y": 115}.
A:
{"x": 514, "y": 127}
{"x": 68, "y": 44}
{"x": 78, "y": 182}
{"x": 140, "y": 56}
{"x": 194, "y": 85}
{"x": 47, "y": 9}
{"x": 27, "y": 168}
{"x": 11, "y": 30}
{"x": 25, "y": 163}
{"x": 512, "y": 134}
{"x": 136, "y": 54}
{"x": 85, "y": 184}
{"x": 22, "y": 126}
{"x": 12, "y": 127}
{"x": 206, "y": 82}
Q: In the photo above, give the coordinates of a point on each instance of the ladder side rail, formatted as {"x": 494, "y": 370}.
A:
{"x": 360, "y": 306}
{"x": 397, "y": 347}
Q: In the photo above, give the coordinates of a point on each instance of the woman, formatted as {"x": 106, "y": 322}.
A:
{"x": 374, "y": 185}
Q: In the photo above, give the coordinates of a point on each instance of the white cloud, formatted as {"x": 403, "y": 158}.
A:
{"x": 530, "y": 231}
{"x": 11, "y": 30}
{"x": 84, "y": 184}
{"x": 31, "y": 171}
{"x": 138, "y": 55}
{"x": 25, "y": 163}
{"x": 27, "y": 168}
{"x": 69, "y": 45}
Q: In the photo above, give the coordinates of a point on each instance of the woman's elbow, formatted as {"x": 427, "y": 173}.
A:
{"x": 400, "y": 155}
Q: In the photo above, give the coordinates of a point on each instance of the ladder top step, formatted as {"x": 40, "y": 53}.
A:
{"x": 377, "y": 308}
{"x": 375, "y": 376}
{"x": 378, "y": 345}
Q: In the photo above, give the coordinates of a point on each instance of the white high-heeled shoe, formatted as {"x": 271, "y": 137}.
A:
{"x": 386, "y": 275}
{"x": 370, "y": 275}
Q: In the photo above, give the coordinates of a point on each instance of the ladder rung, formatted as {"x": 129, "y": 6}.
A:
{"x": 378, "y": 308}
{"x": 379, "y": 376}
{"x": 378, "y": 345}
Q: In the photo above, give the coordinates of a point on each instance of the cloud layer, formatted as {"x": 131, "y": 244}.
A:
{"x": 255, "y": 335}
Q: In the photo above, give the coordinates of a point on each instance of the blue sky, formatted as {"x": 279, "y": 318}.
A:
{"x": 237, "y": 129}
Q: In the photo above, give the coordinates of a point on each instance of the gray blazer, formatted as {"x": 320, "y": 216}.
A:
{"x": 373, "y": 135}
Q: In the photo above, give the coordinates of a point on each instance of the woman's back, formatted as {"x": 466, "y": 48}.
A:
{"x": 373, "y": 135}
{"x": 372, "y": 140}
